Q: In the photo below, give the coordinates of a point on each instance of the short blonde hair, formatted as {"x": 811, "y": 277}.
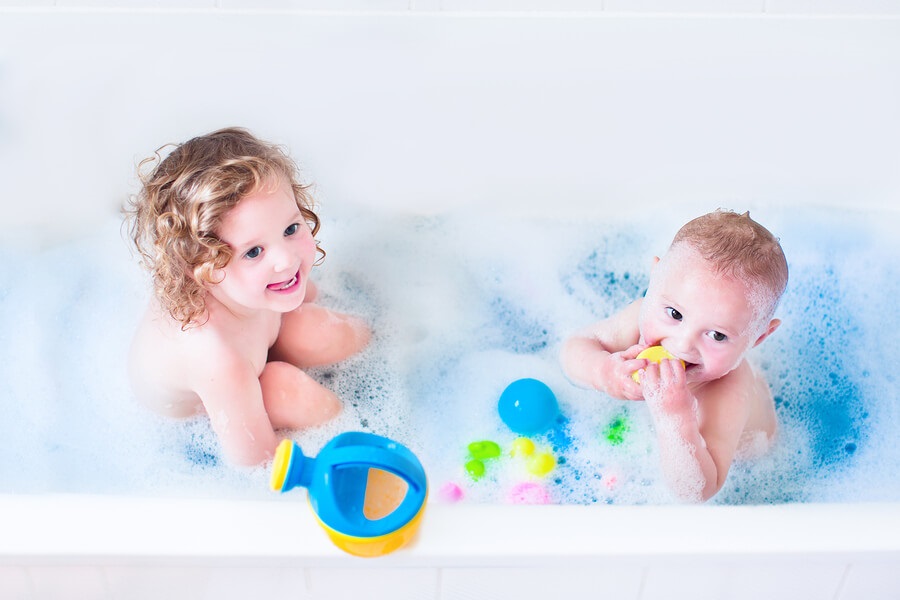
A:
{"x": 739, "y": 247}
{"x": 175, "y": 217}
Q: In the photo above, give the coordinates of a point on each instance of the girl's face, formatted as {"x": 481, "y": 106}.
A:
{"x": 273, "y": 252}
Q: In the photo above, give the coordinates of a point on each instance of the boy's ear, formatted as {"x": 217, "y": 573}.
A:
{"x": 773, "y": 325}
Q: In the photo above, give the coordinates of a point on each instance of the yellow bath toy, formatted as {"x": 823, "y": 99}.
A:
{"x": 540, "y": 463}
{"x": 655, "y": 354}
{"x": 522, "y": 447}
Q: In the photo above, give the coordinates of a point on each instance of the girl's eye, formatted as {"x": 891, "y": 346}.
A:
{"x": 253, "y": 252}
{"x": 674, "y": 314}
{"x": 717, "y": 336}
{"x": 292, "y": 229}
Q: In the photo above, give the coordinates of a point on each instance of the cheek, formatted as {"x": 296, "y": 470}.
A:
{"x": 236, "y": 277}
{"x": 306, "y": 245}
{"x": 726, "y": 359}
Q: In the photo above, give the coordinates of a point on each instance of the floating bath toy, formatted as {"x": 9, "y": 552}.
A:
{"x": 540, "y": 463}
{"x": 475, "y": 469}
{"x": 451, "y": 492}
{"x": 479, "y": 452}
{"x": 368, "y": 492}
{"x": 610, "y": 479}
{"x": 528, "y": 406}
{"x": 654, "y": 354}
{"x": 484, "y": 450}
{"x": 522, "y": 447}
{"x": 616, "y": 430}
{"x": 529, "y": 493}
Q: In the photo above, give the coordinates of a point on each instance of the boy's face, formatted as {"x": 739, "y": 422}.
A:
{"x": 704, "y": 319}
{"x": 273, "y": 248}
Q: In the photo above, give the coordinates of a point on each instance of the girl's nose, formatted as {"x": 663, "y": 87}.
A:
{"x": 282, "y": 258}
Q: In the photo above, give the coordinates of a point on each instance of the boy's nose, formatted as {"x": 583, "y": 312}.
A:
{"x": 680, "y": 346}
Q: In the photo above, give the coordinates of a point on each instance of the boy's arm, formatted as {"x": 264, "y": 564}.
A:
{"x": 696, "y": 444}
{"x": 230, "y": 391}
{"x": 603, "y": 356}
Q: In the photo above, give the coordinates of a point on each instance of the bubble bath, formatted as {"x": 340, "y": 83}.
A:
{"x": 460, "y": 308}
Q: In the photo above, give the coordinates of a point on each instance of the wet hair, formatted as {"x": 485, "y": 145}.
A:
{"x": 174, "y": 218}
{"x": 740, "y": 248}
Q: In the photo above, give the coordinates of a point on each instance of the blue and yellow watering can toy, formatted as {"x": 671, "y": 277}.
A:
{"x": 368, "y": 492}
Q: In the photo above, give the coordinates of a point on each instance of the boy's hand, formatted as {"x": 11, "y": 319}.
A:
{"x": 664, "y": 386}
{"x": 617, "y": 370}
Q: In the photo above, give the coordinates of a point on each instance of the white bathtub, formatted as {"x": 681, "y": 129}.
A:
{"x": 588, "y": 114}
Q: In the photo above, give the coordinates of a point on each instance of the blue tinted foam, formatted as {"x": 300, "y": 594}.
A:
{"x": 517, "y": 330}
{"x": 818, "y": 386}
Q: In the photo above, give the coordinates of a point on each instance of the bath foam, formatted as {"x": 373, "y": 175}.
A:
{"x": 460, "y": 307}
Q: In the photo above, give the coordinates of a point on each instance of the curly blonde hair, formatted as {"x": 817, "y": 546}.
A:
{"x": 174, "y": 218}
{"x": 741, "y": 248}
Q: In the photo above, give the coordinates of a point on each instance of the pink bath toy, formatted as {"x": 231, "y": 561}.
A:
{"x": 451, "y": 492}
{"x": 610, "y": 480}
{"x": 529, "y": 493}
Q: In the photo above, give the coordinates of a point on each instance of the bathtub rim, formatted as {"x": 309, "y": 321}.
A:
{"x": 42, "y": 528}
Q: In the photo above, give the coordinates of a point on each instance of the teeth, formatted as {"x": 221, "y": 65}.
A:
{"x": 289, "y": 283}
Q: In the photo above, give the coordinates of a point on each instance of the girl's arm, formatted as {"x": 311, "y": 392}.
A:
{"x": 230, "y": 391}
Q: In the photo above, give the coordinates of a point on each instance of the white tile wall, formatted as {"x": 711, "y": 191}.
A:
{"x": 875, "y": 580}
{"x": 205, "y": 582}
{"x": 729, "y": 7}
{"x": 686, "y": 6}
{"x": 739, "y": 578}
{"x": 14, "y": 582}
{"x": 597, "y": 582}
{"x": 744, "y": 579}
{"x": 369, "y": 581}
{"x": 53, "y": 582}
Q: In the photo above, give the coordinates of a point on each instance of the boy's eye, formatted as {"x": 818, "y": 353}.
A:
{"x": 717, "y": 336}
{"x": 674, "y": 314}
{"x": 253, "y": 252}
{"x": 292, "y": 229}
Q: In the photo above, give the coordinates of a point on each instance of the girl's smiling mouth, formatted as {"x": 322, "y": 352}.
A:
{"x": 284, "y": 286}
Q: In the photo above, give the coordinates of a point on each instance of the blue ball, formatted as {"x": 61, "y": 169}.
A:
{"x": 528, "y": 406}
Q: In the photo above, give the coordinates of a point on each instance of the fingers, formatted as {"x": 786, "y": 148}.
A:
{"x": 671, "y": 371}
{"x": 633, "y": 351}
{"x": 668, "y": 373}
{"x": 632, "y": 390}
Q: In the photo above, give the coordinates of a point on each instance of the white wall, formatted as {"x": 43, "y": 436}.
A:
{"x": 437, "y": 111}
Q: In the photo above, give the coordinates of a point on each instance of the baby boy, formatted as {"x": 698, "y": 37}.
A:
{"x": 711, "y": 298}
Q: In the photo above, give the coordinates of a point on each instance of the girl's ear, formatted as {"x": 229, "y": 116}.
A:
{"x": 773, "y": 325}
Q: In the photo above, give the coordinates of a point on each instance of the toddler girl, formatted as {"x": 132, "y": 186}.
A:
{"x": 227, "y": 233}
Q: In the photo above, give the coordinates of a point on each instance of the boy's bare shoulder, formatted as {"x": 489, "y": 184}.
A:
{"x": 741, "y": 400}
{"x": 620, "y": 330}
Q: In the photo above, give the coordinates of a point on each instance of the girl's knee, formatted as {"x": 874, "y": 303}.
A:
{"x": 293, "y": 399}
